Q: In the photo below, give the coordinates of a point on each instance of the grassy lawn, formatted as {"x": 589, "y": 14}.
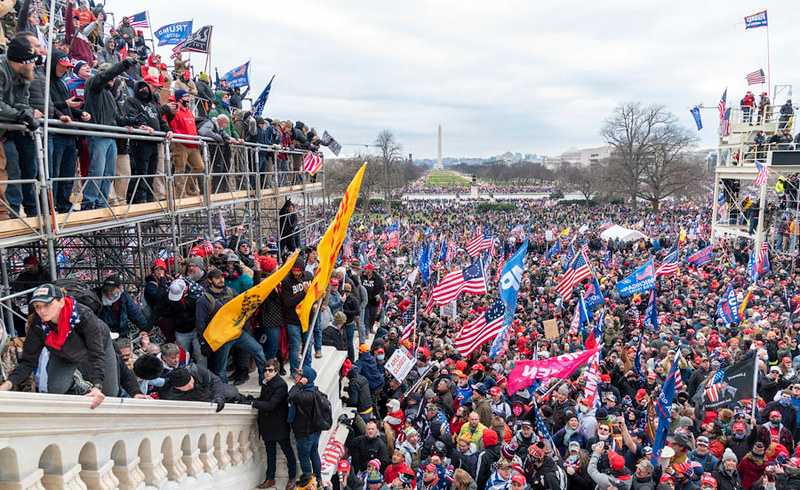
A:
{"x": 446, "y": 178}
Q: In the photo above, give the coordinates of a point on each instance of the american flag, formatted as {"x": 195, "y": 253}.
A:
{"x": 481, "y": 243}
{"x": 500, "y": 268}
{"x": 761, "y": 178}
{"x": 482, "y": 329}
{"x": 762, "y": 260}
{"x": 678, "y": 381}
{"x": 139, "y": 20}
{"x": 577, "y": 271}
{"x": 468, "y": 280}
{"x": 756, "y": 77}
{"x": 725, "y": 123}
{"x": 723, "y": 104}
{"x": 312, "y": 162}
{"x": 715, "y": 388}
{"x": 409, "y": 322}
{"x": 670, "y": 264}
{"x": 544, "y": 432}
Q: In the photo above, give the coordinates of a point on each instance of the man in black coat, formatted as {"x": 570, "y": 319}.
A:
{"x": 143, "y": 110}
{"x": 358, "y": 393}
{"x": 374, "y": 285}
{"x": 273, "y": 410}
{"x": 367, "y": 447}
{"x": 301, "y": 416}
{"x": 197, "y": 384}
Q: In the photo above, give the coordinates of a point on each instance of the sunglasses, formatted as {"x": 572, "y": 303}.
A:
{"x": 269, "y": 370}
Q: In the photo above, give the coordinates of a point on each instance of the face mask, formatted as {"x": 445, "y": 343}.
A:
{"x": 144, "y": 94}
{"x": 185, "y": 103}
{"x": 108, "y": 301}
{"x": 381, "y": 357}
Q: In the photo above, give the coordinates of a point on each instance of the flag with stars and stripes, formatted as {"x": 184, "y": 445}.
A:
{"x": 669, "y": 265}
{"x": 761, "y": 178}
{"x": 409, "y": 322}
{"x": 481, "y": 330}
{"x": 577, "y": 271}
{"x": 468, "y": 280}
{"x": 482, "y": 242}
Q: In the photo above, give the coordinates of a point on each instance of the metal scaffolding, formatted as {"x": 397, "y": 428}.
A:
{"x": 236, "y": 191}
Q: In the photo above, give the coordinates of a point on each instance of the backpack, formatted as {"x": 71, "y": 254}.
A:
{"x": 82, "y": 293}
{"x": 323, "y": 414}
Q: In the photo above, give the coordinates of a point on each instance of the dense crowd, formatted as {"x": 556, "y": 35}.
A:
{"x": 451, "y": 422}
{"x": 109, "y": 76}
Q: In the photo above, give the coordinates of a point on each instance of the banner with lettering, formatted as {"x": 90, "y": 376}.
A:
{"x": 526, "y": 372}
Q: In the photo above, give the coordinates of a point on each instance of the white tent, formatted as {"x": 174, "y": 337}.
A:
{"x": 616, "y": 232}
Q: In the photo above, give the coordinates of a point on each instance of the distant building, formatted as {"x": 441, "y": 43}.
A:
{"x": 587, "y": 156}
{"x": 552, "y": 163}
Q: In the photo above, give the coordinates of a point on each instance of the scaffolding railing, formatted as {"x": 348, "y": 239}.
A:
{"x": 240, "y": 184}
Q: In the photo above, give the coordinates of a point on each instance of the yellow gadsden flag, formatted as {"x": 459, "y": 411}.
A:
{"x": 328, "y": 249}
{"x": 227, "y": 324}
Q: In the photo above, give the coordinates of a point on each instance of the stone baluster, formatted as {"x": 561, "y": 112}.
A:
{"x": 31, "y": 482}
{"x": 155, "y": 474}
{"x": 245, "y": 446}
{"x": 176, "y": 470}
{"x": 233, "y": 450}
{"x": 69, "y": 480}
{"x": 210, "y": 464}
{"x": 223, "y": 461}
{"x": 194, "y": 467}
{"x": 102, "y": 479}
{"x": 130, "y": 476}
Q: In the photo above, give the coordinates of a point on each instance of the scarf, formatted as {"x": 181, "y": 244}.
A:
{"x": 67, "y": 319}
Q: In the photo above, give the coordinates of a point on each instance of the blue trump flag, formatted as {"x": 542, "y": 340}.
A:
{"x": 696, "y": 115}
{"x": 239, "y": 76}
{"x": 443, "y": 251}
{"x": 651, "y": 314}
{"x": 425, "y": 264}
{"x": 568, "y": 259}
{"x": 174, "y": 33}
{"x": 510, "y": 279}
{"x": 643, "y": 279}
{"x": 702, "y": 256}
{"x": 553, "y": 250}
{"x": 664, "y": 409}
{"x": 594, "y": 295}
{"x": 759, "y": 19}
{"x": 752, "y": 270}
{"x": 261, "y": 101}
{"x": 728, "y": 307}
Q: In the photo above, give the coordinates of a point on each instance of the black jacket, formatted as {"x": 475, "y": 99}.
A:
{"x": 302, "y": 398}
{"x": 351, "y": 308}
{"x": 85, "y": 342}
{"x": 292, "y": 293}
{"x": 486, "y": 461}
{"x": 58, "y": 97}
{"x": 374, "y": 286}
{"x": 181, "y": 314}
{"x": 334, "y": 337}
{"x": 358, "y": 392}
{"x": 144, "y": 110}
{"x": 363, "y": 449}
{"x": 100, "y": 101}
{"x": 207, "y": 388}
{"x": 725, "y": 482}
{"x": 273, "y": 410}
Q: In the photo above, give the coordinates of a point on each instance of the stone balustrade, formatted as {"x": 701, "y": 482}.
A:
{"x": 58, "y": 442}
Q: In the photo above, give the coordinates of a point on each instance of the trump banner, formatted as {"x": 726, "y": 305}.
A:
{"x": 643, "y": 279}
{"x": 174, "y": 33}
{"x": 239, "y": 76}
{"x": 526, "y": 372}
{"x": 227, "y": 324}
{"x": 759, "y": 19}
{"x": 328, "y": 249}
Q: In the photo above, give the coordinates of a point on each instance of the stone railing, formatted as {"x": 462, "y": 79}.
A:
{"x": 58, "y": 442}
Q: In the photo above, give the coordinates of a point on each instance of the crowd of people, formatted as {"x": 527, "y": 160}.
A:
{"x": 451, "y": 421}
{"x": 109, "y": 76}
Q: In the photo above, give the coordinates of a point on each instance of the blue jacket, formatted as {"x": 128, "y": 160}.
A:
{"x": 369, "y": 368}
{"x": 119, "y": 315}
{"x": 240, "y": 284}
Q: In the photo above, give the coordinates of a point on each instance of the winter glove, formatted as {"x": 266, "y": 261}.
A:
{"x": 26, "y": 117}
{"x": 220, "y": 406}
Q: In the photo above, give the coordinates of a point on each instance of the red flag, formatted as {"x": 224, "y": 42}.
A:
{"x": 526, "y": 372}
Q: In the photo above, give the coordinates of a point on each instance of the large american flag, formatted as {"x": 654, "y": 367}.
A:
{"x": 481, "y": 243}
{"x": 762, "y": 259}
{"x": 670, "y": 264}
{"x": 577, "y": 271}
{"x": 756, "y": 77}
{"x": 312, "y": 162}
{"x": 761, "y": 178}
{"x": 468, "y": 280}
{"x": 139, "y": 20}
{"x": 725, "y": 123}
{"x": 482, "y": 329}
{"x": 723, "y": 104}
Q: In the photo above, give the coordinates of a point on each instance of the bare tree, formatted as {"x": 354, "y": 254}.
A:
{"x": 390, "y": 151}
{"x": 585, "y": 179}
{"x": 649, "y": 158}
{"x": 630, "y": 130}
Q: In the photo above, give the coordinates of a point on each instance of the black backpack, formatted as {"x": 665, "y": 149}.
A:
{"x": 82, "y": 293}
{"x": 323, "y": 414}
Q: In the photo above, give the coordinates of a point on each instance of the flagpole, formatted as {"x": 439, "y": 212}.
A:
{"x": 755, "y": 387}
{"x": 769, "y": 67}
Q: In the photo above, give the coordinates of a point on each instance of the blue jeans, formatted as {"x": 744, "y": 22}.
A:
{"x": 21, "y": 164}
{"x": 61, "y": 154}
{"x": 295, "y": 345}
{"x": 317, "y": 336}
{"x": 102, "y": 163}
{"x": 190, "y": 344}
{"x": 246, "y": 342}
{"x": 350, "y": 330}
{"x": 273, "y": 340}
{"x": 308, "y": 455}
{"x": 291, "y": 464}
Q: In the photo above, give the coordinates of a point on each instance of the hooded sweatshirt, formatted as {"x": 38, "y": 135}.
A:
{"x": 143, "y": 110}
{"x": 301, "y": 404}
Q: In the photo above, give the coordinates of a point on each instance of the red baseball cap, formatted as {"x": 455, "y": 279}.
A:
{"x": 344, "y": 466}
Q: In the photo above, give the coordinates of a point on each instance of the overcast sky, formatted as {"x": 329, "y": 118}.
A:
{"x": 499, "y": 76}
